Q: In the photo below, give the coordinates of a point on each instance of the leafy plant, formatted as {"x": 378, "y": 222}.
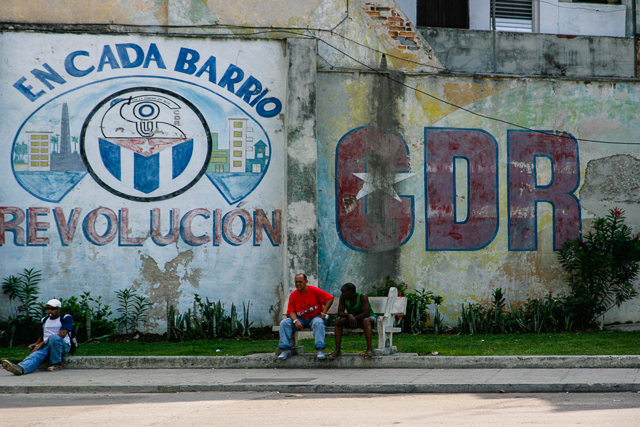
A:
{"x": 473, "y": 319}
{"x": 132, "y": 308}
{"x": 535, "y": 315}
{"x": 437, "y": 317}
{"x": 91, "y": 317}
{"x": 497, "y": 311}
{"x": 246, "y": 325}
{"x": 19, "y": 331}
{"x": 601, "y": 267}
{"x": 417, "y": 316}
{"x": 207, "y": 320}
{"x": 388, "y": 283}
{"x": 26, "y": 289}
{"x": 23, "y": 326}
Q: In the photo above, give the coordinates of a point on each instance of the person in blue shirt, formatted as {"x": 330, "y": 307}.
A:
{"x": 55, "y": 342}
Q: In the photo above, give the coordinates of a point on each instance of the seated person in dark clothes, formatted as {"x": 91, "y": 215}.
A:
{"x": 354, "y": 311}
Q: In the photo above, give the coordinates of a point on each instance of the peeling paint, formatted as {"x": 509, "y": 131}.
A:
{"x": 613, "y": 182}
{"x": 301, "y": 217}
{"x": 162, "y": 285}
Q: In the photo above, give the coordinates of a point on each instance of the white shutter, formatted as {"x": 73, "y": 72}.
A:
{"x": 513, "y": 15}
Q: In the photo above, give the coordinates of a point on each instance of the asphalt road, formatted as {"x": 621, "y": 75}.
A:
{"x": 280, "y": 409}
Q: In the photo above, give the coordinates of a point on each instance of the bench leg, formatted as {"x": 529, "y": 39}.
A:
{"x": 295, "y": 348}
{"x": 385, "y": 339}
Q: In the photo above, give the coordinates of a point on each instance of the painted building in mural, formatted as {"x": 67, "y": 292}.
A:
{"x": 225, "y": 162}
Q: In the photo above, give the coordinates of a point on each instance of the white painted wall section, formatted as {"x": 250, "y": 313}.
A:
{"x": 410, "y": 8}
{"x": 582, "y": 19}
{"x": 479, "y": 14}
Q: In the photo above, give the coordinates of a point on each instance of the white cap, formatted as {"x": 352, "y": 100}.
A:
{"x": 54, "y": 303}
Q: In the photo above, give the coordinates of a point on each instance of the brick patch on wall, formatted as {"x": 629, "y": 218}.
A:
{"x": 399, "y": 29}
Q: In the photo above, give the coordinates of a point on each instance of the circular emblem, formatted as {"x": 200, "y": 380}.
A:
{"x": 145, "y": 144}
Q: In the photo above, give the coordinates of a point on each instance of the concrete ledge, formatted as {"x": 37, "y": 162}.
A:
{"x": 351, "y": 361}
{"x": 330, "y": 388}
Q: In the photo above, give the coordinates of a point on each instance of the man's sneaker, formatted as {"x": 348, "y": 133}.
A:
{"x": 12, "y": 367}
{"x": 321, "y": 355}
{"x": 284, "y": 355}
{"x": 55, "y": 367}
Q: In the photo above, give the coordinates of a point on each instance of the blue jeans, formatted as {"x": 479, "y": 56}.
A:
{"x": 55, "y": 347}
{"x": 287, "y": 327}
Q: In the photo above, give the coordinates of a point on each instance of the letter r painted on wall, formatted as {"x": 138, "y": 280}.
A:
{"x": 525, "y": 148}
{"x": 478, "y": 154}
{"x": 371, "y": 216}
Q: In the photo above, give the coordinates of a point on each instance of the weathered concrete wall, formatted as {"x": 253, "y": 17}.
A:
{"x": 139, "y": 12}
{"x": 111, "y": 204}
{"x": 462, "y": 196}
{"x": 159, "y": 12}
{"x": 558, "y": 17}
{"x": 153, "y": 163}
{"x": 404, "y": 185}
{"x": 532, "y": 54}
{"x": 301, "y": 214}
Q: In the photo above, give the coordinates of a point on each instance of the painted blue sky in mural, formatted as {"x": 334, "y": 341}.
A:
{"x": 240, "y": 154}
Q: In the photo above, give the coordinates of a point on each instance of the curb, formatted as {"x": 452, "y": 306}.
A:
{"x": 405, "y": 361}
{"x": 332, "y": 389}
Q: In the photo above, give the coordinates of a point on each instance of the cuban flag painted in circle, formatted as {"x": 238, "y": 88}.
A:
{"x": 145, "y": 163}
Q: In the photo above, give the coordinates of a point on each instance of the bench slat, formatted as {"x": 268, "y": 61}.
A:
{"x": 399, "y": 305}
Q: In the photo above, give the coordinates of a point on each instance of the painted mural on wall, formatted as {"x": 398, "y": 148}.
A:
{"x": 163, "y": 145}
{"x": 451, "y": 225}
{"x": 458, "y": 204}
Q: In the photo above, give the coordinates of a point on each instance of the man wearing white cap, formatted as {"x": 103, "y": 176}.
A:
{"x": 55, "y": 342}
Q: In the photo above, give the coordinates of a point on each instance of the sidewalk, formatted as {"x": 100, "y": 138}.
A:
{"x": 348, "y": 374}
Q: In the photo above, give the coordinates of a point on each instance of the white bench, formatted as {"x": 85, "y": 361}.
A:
{"x": 385, "y": 308}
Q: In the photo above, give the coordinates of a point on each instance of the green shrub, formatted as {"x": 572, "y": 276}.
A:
{"x": 600, "y": 268}
{"x": 536, "y": 315}
{"x": 23, "y": 325}
{"x": 91, "y": 318}
{"x": 417, "y": 317}
{"x": 207, "y": 320}
{"x": 25, "y": 288}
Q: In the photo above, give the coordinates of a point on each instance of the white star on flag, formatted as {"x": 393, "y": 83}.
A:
{"x": 376, "y": 181}
{"x": 146, "y": 147}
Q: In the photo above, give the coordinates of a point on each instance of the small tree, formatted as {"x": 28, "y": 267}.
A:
{"x": 26, "y": 289}
{"x": 20, "y": 151}
{"x": 601, "y": 268}
{"x": 23, "y": 326}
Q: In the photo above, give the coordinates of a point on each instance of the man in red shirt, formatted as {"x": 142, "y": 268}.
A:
{"x": 308, "y": 306}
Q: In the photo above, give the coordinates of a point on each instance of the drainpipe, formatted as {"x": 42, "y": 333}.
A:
{"x": 633, "y": 34}
{"x": 493, "y": 38}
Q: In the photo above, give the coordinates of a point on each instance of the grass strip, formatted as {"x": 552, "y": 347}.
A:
{"x": 568, "y": 344}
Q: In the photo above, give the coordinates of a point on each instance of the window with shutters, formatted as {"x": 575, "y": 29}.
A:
{"x": 513, "y": 15}
{"x": 442, "y": 13}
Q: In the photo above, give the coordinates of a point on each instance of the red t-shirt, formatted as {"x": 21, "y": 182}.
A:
{"x": 309, "y": 304}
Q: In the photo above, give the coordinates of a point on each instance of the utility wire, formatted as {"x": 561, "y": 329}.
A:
{"x": 584, "y": 8}
{"x": 293, "y": 30}
{"x": 484, "y": 116}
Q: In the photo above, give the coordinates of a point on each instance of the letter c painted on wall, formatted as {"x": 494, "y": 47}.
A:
{"x": 371, "y": 217}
